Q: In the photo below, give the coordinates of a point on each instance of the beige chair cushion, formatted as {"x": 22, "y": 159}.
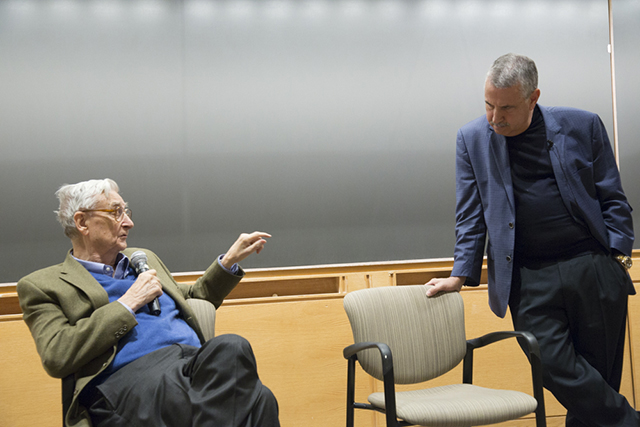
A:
{"x": 459, "y": 405}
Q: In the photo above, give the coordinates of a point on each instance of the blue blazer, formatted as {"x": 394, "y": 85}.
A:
{"x": 587, "y": 176}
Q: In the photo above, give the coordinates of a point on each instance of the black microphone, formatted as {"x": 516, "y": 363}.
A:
{"x": 139, "y": 261}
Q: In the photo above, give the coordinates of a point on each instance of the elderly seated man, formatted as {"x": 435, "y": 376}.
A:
{"x": 90, "y": 317}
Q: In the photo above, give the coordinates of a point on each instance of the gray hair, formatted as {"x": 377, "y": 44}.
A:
{"x": 510, "y": 70}
{"x": 83, "y": 195}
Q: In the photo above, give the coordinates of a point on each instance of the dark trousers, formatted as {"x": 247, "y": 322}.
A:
{"x": 183, "y": 386}
{"x": 577, "y": 310}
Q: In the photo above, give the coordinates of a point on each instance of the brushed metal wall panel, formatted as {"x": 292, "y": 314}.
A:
{"x": 330, "y": 124}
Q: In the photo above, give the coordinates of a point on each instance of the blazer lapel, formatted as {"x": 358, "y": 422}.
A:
{"x": 556, "y": 147}
{"x": 500, "y": 156}
{"x": 167, "y": 282}
{"x": 76, "y": 275}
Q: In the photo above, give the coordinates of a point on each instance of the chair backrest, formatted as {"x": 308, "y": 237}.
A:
{"x": 206, "y": 315}
{"x": 425, "y": 334}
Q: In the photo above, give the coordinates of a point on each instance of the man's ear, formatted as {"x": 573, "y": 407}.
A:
{"x": 80, "y": 218}
{"x": 533, "y": 99}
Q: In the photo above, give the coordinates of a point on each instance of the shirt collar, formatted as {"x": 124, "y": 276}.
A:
{"x": 121, "y": 271}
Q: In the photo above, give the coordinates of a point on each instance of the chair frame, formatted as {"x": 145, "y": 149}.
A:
{"x": 529, "y": 344}
{"x": 68, "y": 387}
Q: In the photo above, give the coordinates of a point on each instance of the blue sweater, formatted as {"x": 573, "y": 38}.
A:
{"x": 152, "y": 332}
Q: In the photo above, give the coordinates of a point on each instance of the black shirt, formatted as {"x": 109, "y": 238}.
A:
{"x": 545, "y": 230}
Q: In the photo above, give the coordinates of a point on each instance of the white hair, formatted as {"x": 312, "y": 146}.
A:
{"x": 83, "y": 195}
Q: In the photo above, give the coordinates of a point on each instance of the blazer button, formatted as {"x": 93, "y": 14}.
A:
{"x": 510, "y": 225}
{"x": 508, "y": 258}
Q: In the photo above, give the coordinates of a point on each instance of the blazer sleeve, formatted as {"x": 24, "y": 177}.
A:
{"x": 69, "y": 334}
{"x": 470, "y": 224}
{"x": 615, "y": 208}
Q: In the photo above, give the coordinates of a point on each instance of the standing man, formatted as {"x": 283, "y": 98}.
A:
{"x": 90, "y": 319}
{"x": 543, "y": 185}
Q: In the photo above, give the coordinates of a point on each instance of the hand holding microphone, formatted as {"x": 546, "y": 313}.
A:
{"x": 139, "y": 261}
{"x": 146, "y": 289}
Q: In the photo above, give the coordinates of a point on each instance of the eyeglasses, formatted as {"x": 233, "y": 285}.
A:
{"x": 117, "y": 213}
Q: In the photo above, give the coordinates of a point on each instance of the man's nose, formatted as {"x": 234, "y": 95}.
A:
{"x": 127, "y": 222}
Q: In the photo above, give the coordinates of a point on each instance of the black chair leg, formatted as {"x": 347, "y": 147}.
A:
{"x": 68, "y": 386}
{"x": 351, "y": 385}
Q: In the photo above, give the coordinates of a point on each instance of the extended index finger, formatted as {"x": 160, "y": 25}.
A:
{"x": 259, "y": 235}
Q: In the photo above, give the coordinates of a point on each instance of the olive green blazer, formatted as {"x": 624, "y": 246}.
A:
{"x": 76, "y": 329}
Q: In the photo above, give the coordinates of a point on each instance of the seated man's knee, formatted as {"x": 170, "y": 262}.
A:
{"x": 234, "y": 341}
{"x": 230, "y": 345}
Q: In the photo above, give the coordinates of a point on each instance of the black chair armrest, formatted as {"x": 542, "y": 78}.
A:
{"x": 350, "y": 353}
{"x": 527, "y": 339}
{"x": 385, "y": 354}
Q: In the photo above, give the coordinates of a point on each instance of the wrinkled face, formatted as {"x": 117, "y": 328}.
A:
{"x": 508, "y": 112}
{"x": 105, "y": 235}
